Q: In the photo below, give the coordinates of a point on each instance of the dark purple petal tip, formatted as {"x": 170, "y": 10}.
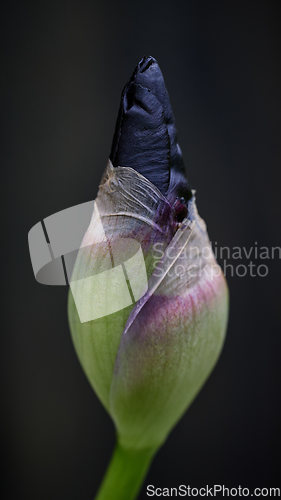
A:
{"x": 145, "y": 136}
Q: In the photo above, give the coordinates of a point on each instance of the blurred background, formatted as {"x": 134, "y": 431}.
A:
{"x": 64, "y": 66}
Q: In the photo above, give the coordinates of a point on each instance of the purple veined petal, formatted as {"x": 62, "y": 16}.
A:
{"x": 177, "y": 245}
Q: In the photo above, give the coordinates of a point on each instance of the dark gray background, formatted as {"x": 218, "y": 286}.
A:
{"x": 64, "y": 67}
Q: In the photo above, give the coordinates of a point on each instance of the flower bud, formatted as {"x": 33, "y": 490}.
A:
{"x": 148, "y": 303}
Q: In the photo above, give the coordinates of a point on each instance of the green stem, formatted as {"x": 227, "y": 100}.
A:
{"x": 125, "y": 474}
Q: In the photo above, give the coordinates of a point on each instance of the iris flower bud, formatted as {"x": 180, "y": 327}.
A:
{"x": 148, "y": 303}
